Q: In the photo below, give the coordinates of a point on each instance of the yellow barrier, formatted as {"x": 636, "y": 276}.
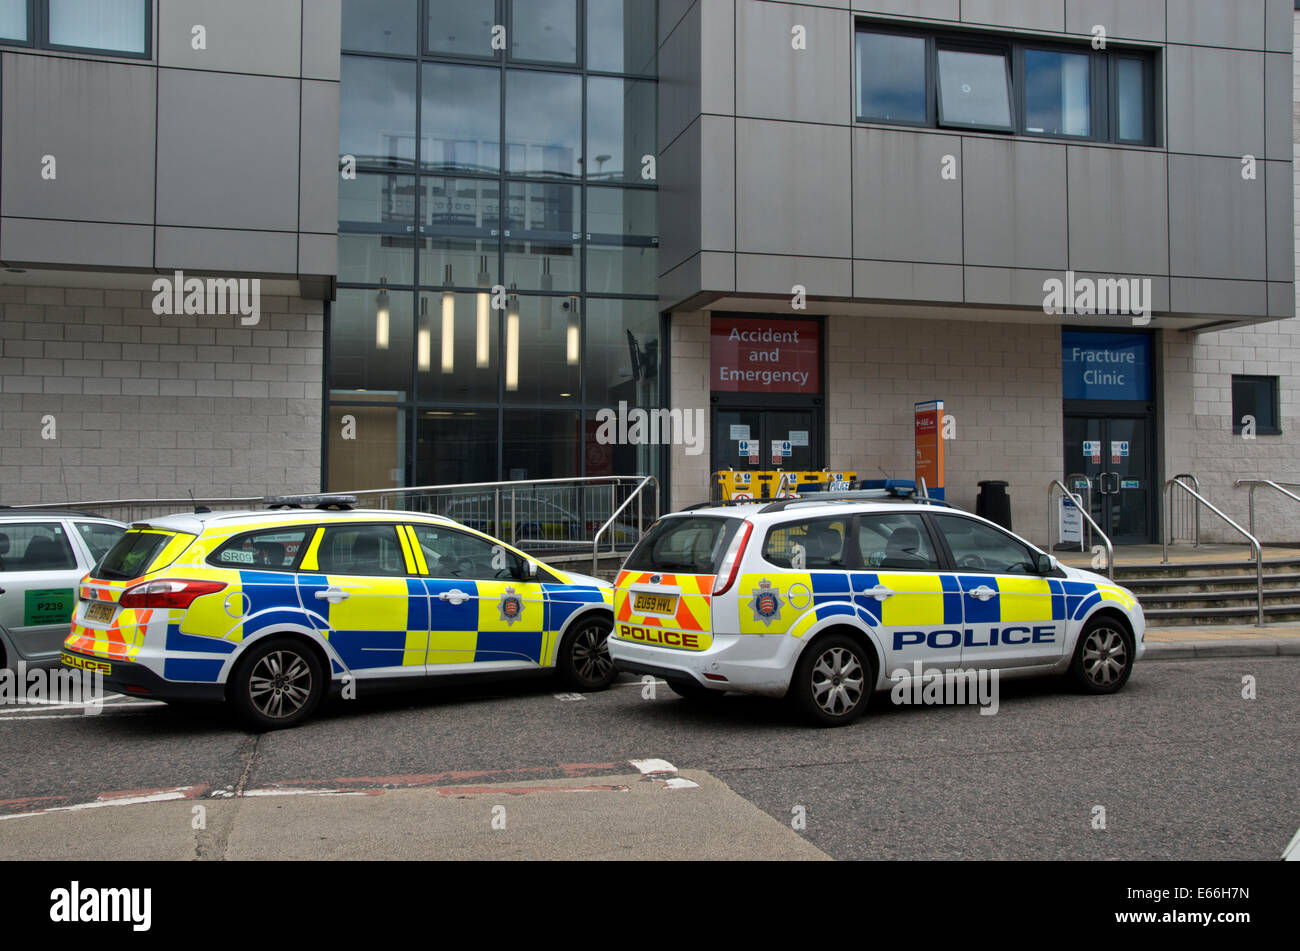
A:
{"x": 738, "y": 485}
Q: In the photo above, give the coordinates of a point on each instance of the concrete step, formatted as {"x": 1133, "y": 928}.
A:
{"x": 1181, "y": 616}
{"x": 1204, "y": 569}
{"x": 1188, "y": 601}
{"x": 1209, "y": 583}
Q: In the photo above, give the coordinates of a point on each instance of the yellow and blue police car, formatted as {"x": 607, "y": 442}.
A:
{"x": 271, "y": 610}
{"x": 825, "y": 601}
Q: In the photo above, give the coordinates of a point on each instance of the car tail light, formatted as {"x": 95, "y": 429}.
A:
{"x": 168, "y": 594}
{"x": 731, "y": 564}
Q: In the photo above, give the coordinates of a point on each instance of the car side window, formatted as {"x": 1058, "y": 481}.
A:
{"x": 361, "y": 550}
{"x": 898, "y": 541}
{"x": 815, "y": 544}
{"x": 265, "y": 549}
{"x": 454, "y": 554}
{"x": 35, "y": 546}
{"x": 979, "y": 547}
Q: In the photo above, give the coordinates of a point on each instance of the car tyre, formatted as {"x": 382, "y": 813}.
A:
{"x": 277, "y": 685}
{"x": 1103, "y": 658}
{"x": 584, "y": 662}
{"x": 833, "y": 681}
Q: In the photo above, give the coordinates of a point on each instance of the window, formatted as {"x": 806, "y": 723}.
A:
{"x": 265, "y": 550}
{"x": 111, "y": 26}
{"x": 99, "y": 537}
{"x": 361, "y": 550}
{"x": 543, "y": 123}
{"x": 544, "y": 30}
{"x": 807, "y": 545}
{"x": 1058, "y": 93}
{"x": 1133, "y": 85}
{"x": 974, "y": 89}
{"x": 1255, "y": 403}
{"x": 462, "y": 27}
{"x": 979, "y": 547}
{"x": 691, "y": 544}
{"x": 380, "y": 26}
{"x": 891, "y": 77}
{"x": 460, "y": 123}
{"x": 1000, "y": 84}
{"x": 13, "y": 21}
{"x": 131, "y": 556}
{"x": 899, "y": 541}
{"x": 35, "y": 546}
{"x": 453, "y": 554}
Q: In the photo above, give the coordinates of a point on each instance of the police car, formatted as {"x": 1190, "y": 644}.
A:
{"x": 270, "y": 610}
{"x": 822, "y": 601}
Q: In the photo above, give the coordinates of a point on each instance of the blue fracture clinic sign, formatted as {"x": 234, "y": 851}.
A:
{"x": 1105, "y": 366}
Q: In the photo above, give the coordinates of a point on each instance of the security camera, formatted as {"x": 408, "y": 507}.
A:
{"x": 566, "y": 305}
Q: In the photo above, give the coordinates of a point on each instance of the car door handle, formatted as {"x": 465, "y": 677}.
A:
{"x": 332, "y": 595}
{"x": 983, "y": 592}
{"x": 881, "y": 593}
{"x": 455, "y": 596}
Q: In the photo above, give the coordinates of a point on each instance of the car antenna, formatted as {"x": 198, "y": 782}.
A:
{"x": 198, "y": 509}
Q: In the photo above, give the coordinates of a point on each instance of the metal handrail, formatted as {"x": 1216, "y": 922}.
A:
{"x": 1254, "y": 542}
{"x": 595, "y": 543}
{"x": 1078, "y": 501}
{"x": 1256, "y": 483}
{"x": 1196, "y": 510}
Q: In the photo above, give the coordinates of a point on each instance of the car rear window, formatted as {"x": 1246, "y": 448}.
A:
{"x": 100, "y": 537}
{"x": 694, "y": 544}
{"x": 132, "y": 555}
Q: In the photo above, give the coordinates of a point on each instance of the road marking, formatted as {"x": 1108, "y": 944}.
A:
{"x": 650, "y": 766}
{"x": 121, "y": 799}
{"x": 662, "y": 772}
{"x": 71, "y": 716}
{"x": 569, "y": 696}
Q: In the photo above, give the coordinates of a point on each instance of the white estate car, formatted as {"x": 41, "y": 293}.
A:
{"x": 822, "y": 601}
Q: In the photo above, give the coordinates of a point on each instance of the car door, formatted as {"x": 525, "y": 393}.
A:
{"x": 361, "y": 581}
{"x": 482, "y": 608}
{"x": 913, "y": 600}
{"x": 1012, "y": 615}
{"x": 40, "y": 568}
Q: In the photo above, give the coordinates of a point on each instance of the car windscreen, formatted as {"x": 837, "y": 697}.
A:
{"x": 693, "y": 544}
{"x": 132, "y": 555}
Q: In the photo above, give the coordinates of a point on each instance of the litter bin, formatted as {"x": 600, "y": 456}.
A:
{"x": 993, "y": 503}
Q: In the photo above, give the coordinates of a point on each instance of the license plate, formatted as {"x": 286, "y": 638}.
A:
{"x": 84, "y": 663}
{"x": 99, "y": 612}
{"x": 655, "y": 604}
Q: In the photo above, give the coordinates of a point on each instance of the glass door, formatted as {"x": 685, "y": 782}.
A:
{"x": 1115, "y": 454}
{"x": 767, "y": 439}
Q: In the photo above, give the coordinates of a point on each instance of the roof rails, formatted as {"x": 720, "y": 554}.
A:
{"x": 326, "y": 503}
{"x": 821, "y": 498}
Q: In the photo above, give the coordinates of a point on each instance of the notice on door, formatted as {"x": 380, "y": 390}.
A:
{"x": 1092, "y": 450}
{"x": 48, "y": 607}
{"x": 740, "y": 432}
{"x": 1118, "y": 450}
{"x": 798, "y": 437}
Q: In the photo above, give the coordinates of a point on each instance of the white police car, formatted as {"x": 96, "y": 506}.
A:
{"x": 822, "y": 600}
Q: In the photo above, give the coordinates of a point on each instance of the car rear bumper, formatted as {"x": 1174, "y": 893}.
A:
{"x": 747, "y": 663}
{"x": 136, "y": 680}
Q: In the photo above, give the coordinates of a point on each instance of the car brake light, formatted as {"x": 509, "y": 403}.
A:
{"x": 731, "y": 564}
{"x": 168, "y": 594}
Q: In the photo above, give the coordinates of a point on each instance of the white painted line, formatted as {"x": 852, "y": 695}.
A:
{"x": 169, "y": 796}
{"x": 569, "y": 696}
{"x": 678, "y": 783}
{"x": 637, "y": 683}
{"x": 73, "y": 716}
{"x": 649, "y": 767}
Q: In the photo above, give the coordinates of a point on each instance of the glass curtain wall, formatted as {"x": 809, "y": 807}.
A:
{"x": 498, "y": 249}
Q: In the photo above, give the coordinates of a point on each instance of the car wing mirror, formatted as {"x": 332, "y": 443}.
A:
{"x": 1047, "y": 564}
{"x": 529, "y": 570}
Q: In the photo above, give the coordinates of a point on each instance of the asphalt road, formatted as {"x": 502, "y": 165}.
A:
{"x": 1184, "y": 767}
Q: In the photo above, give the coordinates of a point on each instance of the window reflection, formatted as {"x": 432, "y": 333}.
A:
{"x": 460, "y": 124}
{"x": 377, "y": 111}
{"x": 1058, "y": 98}
{"x": 891, "y": 77}
{"x": 621, "y": 36}
{"x": 380, "y": 26}
{"x": 544, "y": 30}
{"x": 543, "y": 123}
{"x": 620, "y": 127}
{"x": 368, "y": 353}
{"x": 463, "y": 27}
{"x": 973, "y": 89}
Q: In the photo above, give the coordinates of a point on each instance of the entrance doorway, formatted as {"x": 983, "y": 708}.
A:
{"x": 1115, "y": 453}
{"x": 801, "y": 428}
